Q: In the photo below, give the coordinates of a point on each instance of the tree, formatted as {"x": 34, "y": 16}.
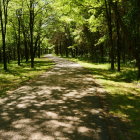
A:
{"x": 18, "y": 14}
{"x": 108, "y": 5}
{"x": 3, "y": 20}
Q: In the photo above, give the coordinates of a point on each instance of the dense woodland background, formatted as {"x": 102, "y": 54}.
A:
{"x": 98, "y": 30}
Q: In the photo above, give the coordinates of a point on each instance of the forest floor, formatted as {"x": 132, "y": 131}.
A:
{"x": 16, "y": 75}
{"x": 64, "y": 103}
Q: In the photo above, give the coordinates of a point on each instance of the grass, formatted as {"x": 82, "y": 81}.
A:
{"x": 123, "y": 93}
{"x": 17, "y": 75}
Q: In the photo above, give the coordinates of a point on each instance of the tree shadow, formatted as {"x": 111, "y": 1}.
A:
{"x": 129, "y": 105}
{"x": 18, "y": 75}
{"x": 63, "y": 103}
{"x": 124, "y": 76}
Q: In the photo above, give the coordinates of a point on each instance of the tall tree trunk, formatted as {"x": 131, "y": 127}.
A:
{"x": 137, "y": 49}
{"x": 118, "y": 37}
{"x": 109, "y": 21}
{"x": 31, "y": 33}
{"x": 36, "y": 44}
{"x": 26, "y": 50}
{"x": 61, "y": 50}
{"x": 136, "y": 21}
{"x": 39, "y": 50}
{"x": 102, "y": 53}
{"x": 4, "y": 53}
{"x": 4, "y": 4}
{"x": 25, "y": 44}
{"x": 18, "y": 44}
{"x": 138, "y": 65}
{"x": 56, "y": 49}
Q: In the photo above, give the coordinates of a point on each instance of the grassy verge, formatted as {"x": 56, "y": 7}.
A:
{"x": 16, "y": 75}
{"x": 123, "y": 91}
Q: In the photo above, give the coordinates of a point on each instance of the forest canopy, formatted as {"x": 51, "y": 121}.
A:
{"x": 97, "y": 30}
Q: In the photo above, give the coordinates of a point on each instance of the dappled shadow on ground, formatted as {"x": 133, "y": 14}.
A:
{"x": 123, "y": 76}
{"x": 16, "y": 75}
{"x": 26, "y": 67}
{"x": 62, "y": 104}
{"x": 129, "y": 105}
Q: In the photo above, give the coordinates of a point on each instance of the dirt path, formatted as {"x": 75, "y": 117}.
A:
{"x": 62, "y": 104}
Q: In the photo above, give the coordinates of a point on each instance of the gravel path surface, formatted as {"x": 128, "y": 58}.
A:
{"x": 61, "y": 104}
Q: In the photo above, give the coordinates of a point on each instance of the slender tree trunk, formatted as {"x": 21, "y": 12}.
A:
{"x": 31, "y": 51}
{"x": 118, "y": 39}
{"x": 4, "y": 52}
{"x": 102, "y": 53}
{"x": 56, "y": 49}
{"x": 137, "y": 50}
{"x": 0, "y": 55}
{"x": 138, "y": 65}
{"x": 109, "y": 21}
{"x": 14, "y": 53}
{"x": 39, "y": 50}
{"x": 123, "y": 49}
{"x": 18, "y": 44}
{"x": 60, "y": 47}
{"x": 66, "y": 48}
{"x": 31, "y": 33}
{"x": 25, "y": 44}
{"x": 66, "y": 52}
{"x": 36, "y": 44}
{"x": 26, "y": 50}
{"x": 3, "y": 31}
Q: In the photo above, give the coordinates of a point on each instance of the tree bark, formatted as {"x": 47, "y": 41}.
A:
{"x": 118, "y": 37}
{"x": 31, "y": 33}
{"x": 18, "y": 44}
{"x": 3, "y": 14}
{"x": 109, "y": 21}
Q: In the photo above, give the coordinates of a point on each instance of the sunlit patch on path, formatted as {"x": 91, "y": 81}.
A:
{"x": 61, "y": 104}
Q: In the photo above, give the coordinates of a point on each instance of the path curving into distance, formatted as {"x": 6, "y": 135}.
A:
{"x": 61, "y": 104}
